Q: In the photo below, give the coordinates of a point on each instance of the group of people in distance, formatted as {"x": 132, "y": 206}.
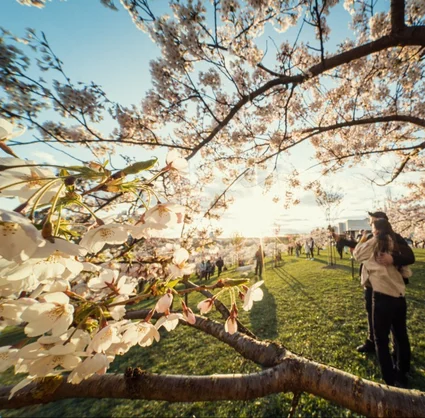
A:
{"x": 206, "y": 269}
{"x": 308, "y": 249}
{"x": 384, "y": 256}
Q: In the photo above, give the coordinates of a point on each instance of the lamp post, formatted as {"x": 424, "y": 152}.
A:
{"x": 276, "y": 231}
{"x": 328, "y": 220}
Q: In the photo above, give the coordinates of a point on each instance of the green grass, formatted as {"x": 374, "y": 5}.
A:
{"x": 313, "y": 311}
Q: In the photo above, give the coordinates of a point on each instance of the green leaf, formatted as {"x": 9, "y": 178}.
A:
{"x": 87, "y": 172}
{"x": 140, "y": 166}
{"x": 172, "y": 283}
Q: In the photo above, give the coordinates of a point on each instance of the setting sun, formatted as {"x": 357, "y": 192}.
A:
{"x": 255, "y": 214}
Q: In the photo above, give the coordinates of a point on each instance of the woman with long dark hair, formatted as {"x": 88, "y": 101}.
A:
{"x": 388, "y": 304}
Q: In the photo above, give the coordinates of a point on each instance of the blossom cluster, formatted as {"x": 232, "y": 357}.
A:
{"x": 68, "y": 291}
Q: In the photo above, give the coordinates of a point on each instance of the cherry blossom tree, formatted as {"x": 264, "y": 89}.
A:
{"x": 237, "y": 241}
{"x": 321, "y": 238}
{"x": 408, "y": 212}
{"x": 69, "y": 273}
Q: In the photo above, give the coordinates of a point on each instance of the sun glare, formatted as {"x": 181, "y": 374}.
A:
{"x": 255, "y": 214}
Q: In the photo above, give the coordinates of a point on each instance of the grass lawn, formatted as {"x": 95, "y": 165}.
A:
{"x": 312, "y": 310}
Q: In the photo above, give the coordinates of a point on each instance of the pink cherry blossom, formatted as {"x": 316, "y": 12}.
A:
{"x": 177, "y": 163}
{"x": 205, "y": 305}
{"x": 164, "y": 303}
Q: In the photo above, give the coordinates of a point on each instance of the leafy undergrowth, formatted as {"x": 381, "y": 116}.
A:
{"x": 314, "y": 311}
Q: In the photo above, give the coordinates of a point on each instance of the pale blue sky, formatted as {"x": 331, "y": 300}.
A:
{"x": 98, "y": 44}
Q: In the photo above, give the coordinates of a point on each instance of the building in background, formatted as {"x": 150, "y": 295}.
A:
{"x": 353, "y": 226}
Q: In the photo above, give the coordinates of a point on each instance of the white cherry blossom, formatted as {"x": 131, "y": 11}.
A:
{"x": 11, "y": 310}
{"x": 180, "y": 267}
{"x": 177, "y": 163}
{"x": 92, "y": 268}
{"x": 253, "y": 294}
{"x": 24, "y": 182}
{"x": 103, "y": 339}
{"x": 51, "y": 346}
{"x": 19, "y": 237}
{"x": 109, "y": 280}
{"x": 169, "y": 322}
{"x": 55, "y": 314}
{"x": 51, "y": 286}
{"x": 118, "y": 348}
{"x": 151, "y": 336}
{"x": 95, "y": 239}
{"x": 7, "y": 130}
{"x": 167, "y": 214}
{"x": 50, "y": 268}
{"x": 62, "y": 247}
{"x": 99, "y": 282}
{"x": 98, "y": 364}
{"x": 142, "y": 333}
{"x": 42, "y": 358}
{"x": 47, "y": 364}
{"x": 146, "y": 230}
{"x": 8, "y": 357}
{"x": 16, "y": 272}
{"x": 14, "y": 288}
{"x": 118, "y": 312}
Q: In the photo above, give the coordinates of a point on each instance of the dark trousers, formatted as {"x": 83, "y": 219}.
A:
{"x": 368, "y": 292}
{"x": 389, "y": 314}
{"x": 259, "y": 268}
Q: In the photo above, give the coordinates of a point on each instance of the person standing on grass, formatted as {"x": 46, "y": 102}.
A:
{"x": 297, "y": 249}
{"x": 209, "y": 268}
{"x": 219, "y": 263}
{"x": 403, "y": 257}
{"x": 389, "y": 308}
{"x": 307, "y": 250}
{"x": 339, "y": 248}
{"x": 311, "y": 245}
{"x": 203, "y": 270}
{"x": 259, "y": 262}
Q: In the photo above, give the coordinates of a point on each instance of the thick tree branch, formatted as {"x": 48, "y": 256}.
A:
{"x": 292, "y": 375}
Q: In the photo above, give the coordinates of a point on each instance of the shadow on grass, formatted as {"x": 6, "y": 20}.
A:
{"x": 298, "y": 287}
{"x": 337, "y": 266}
{"x": 263, "y": 316}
